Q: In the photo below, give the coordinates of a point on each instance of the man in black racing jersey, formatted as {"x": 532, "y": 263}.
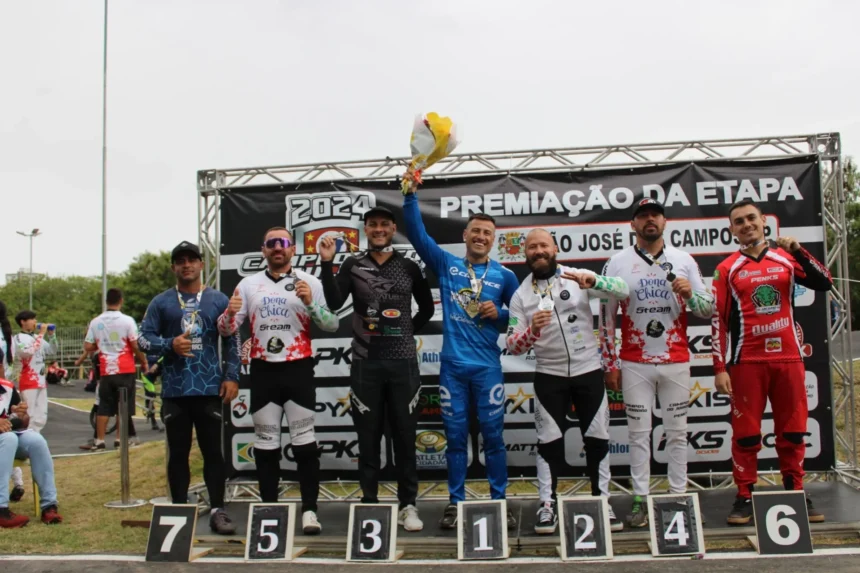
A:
{"x": 384, "y": 373}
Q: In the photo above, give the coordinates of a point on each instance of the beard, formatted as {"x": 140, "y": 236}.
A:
{"x": 649, "y": 234}
{"x": 542, "y": 266}
{"x": 378, "y": 245}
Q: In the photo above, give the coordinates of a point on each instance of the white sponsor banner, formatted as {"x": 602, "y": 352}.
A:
{"x": 338, "y": 451}
{"x": 704, "y": 399}
{"x": 706, "y": 442}
{"x": 768, "y": 440}
{"x": 521, "y": 446}
{"x": 598, "y": 241}
{"x": 619, "y": 447}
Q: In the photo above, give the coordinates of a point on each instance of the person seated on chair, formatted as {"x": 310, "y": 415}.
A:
{"x": 17, "y": 440}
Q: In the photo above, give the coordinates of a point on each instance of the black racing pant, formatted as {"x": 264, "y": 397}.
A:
{"x": 279, "y": 388}
{"x": 586, "y": 392}
{"x": 181, "y": 417}
{"x": 383, "y": 390}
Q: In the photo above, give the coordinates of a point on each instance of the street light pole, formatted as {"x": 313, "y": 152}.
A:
{"x": 31, "y": 234}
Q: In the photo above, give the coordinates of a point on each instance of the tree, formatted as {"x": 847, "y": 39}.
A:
{"x": 146, "y": 276}
{"x": 851, "y": 184}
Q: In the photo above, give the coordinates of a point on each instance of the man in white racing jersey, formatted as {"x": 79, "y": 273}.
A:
{"x": 663, "y": 283}
{"x": 551, "y": 313}
{"x": 280, "y": 303}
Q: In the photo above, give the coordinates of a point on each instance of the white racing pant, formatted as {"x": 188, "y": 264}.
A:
{"x": 37, "y": 407}
{"x": 671, "y": 383}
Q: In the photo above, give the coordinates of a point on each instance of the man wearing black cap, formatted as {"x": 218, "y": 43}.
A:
{"x": 384, "y": 373}
{"x": 663, "y": 282}
{"x": 181, "y": 325}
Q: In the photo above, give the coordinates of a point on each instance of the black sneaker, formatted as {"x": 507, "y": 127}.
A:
{"x": 547, "y": 519}
{"x": 512, "y": 521}
{"x": 449, "y": 518}
{"x": 742, "y": 511}
{"x": 815, "y": 516}
{"x": 220, "y": 523}
{"x": 18, "y": 493}
{"x": 97, "y": 447}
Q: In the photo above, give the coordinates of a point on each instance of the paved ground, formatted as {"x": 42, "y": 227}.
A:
{"x": 68, "y": 428}
{"x": 855, "y": 345}
{"x": 832, "y": 564}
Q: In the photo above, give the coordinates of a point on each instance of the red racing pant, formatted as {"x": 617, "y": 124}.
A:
{"x": 785, "y": 385}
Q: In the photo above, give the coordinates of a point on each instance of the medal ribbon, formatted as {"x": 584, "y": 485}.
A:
{"x": 182, "y": 304}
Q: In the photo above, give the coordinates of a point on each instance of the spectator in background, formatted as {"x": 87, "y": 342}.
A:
{"x": 16, "y": 440}
{"x": 57, "y": 375}
{"x": 5, "y": 341}
{"x": 30, "y": 348}
{"x": 114, "y": 335}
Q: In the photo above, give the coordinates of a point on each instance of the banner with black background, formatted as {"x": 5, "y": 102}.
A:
{"x": 589, "y": 214}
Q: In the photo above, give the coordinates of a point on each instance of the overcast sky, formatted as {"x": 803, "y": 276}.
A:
{"x": 206, "y": 84}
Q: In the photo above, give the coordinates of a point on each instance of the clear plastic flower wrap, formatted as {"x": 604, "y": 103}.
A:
{"x": 433, "y": 138}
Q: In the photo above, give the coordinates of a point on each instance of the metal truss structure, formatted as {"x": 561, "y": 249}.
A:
{"x": 212, "y": 184}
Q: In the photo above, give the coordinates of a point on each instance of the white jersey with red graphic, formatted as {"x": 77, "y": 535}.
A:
{"x": 280, "y": 321}
{"x": 653, "y": 318}
{"x": 29, "y": 355}
{"x": 113, "y": 332}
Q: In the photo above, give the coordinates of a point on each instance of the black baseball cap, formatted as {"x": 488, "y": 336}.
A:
{"x": 648, "y": 203}
{"x": 185, "y": 247}
{"x": 379, "y": 211}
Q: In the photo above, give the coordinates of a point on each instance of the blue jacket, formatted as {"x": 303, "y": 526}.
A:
{"x": 466, "y": 340}
{"x": 201, "y": 375}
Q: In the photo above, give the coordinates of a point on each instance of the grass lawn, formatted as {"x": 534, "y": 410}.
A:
{"x": 84, "y": 485}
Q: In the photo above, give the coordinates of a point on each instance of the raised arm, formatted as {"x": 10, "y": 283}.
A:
{"x": 430, "y": 252}
{"x": 606, "y": 328}
{"x": 520, "y": 336}
{"x": 809, "y": 272}
{"x": 702, "y": 302}
{"x": 237, "y": 309}
{"x": 319, "y": 312}
{"x": 336, "y": 289}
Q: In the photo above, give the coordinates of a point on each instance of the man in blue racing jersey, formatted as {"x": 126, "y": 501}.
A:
{"x": 472, "y": 290}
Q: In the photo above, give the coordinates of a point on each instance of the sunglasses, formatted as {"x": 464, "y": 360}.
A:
{"x": 282, "y": 241}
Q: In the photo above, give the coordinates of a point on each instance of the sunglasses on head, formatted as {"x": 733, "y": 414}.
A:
{"x": 283, "y": 241}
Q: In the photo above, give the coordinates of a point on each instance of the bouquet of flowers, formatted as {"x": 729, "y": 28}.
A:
{"x": 433, "y": 138}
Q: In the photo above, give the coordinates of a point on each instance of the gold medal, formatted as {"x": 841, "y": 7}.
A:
{"x": 473, "y": 308}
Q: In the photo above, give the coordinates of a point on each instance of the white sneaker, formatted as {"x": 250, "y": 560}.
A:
{"x": 615, "y": 524}
{"x": 408, "y": 518}
{"x": 310, "y": 523}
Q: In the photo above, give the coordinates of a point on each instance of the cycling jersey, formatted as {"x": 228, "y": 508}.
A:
{"x": 566, "y": 346}
{"x": 113, "y": 332}
{"x": 280, "y": 321}
{"x": 29, "y": 354}
{"x": 382, "y": 322}
{"x": 167, "y": 318}
{"x": 755, "y": 305}
{"x": 467, "y": 339}
{"x": 653, "y": 318}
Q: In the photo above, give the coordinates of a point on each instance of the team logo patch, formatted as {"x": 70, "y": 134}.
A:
{"x": 289, "y": 287}
{"x": 571, "y": 317}
{"x": 497, "y": 395}
{"x": 766, "y": 299}
{"x": 773, "y": 345}
{"x": 510, "y": 245}
{"x": 391, "y": 313}
{"x": 275, "y": 345}
{"x": 564, "y": 295}
{"x": 655, "y": 329}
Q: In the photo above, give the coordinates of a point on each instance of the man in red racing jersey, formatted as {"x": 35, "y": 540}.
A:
{"x": 754, "y": 307}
